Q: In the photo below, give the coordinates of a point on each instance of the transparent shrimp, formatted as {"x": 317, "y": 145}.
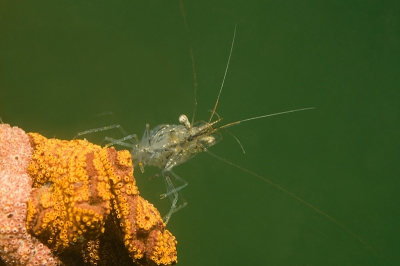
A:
{"x": 167, "y": 146}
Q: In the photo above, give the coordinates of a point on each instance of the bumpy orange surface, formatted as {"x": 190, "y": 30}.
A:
{"x": 85, "y": 197}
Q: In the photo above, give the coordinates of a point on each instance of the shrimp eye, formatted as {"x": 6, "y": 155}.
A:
{"x": 184, "y": 121}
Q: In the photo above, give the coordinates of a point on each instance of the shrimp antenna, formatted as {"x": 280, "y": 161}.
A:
{"x": 195, "y": 83}
{"x": 237, "y": 140}
{"x": 223, "y": 80}
{"x": 264, "y": 116}
{"x": 192, "y": 58}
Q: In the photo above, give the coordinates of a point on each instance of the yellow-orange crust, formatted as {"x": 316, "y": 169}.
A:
{"x": 80, "y": 191}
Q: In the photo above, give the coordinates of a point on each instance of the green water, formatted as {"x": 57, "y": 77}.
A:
{"x": 63, "y": 64}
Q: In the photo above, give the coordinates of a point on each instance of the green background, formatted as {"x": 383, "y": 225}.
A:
{"x": 63, "y": 64}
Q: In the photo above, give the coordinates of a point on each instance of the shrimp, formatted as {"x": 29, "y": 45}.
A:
{"x": 167, "y": 146}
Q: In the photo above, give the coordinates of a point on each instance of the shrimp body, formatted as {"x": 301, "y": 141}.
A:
{"x": 167, "y": 146}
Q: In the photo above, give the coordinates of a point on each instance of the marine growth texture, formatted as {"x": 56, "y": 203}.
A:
{"x": 74, "y": 203}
